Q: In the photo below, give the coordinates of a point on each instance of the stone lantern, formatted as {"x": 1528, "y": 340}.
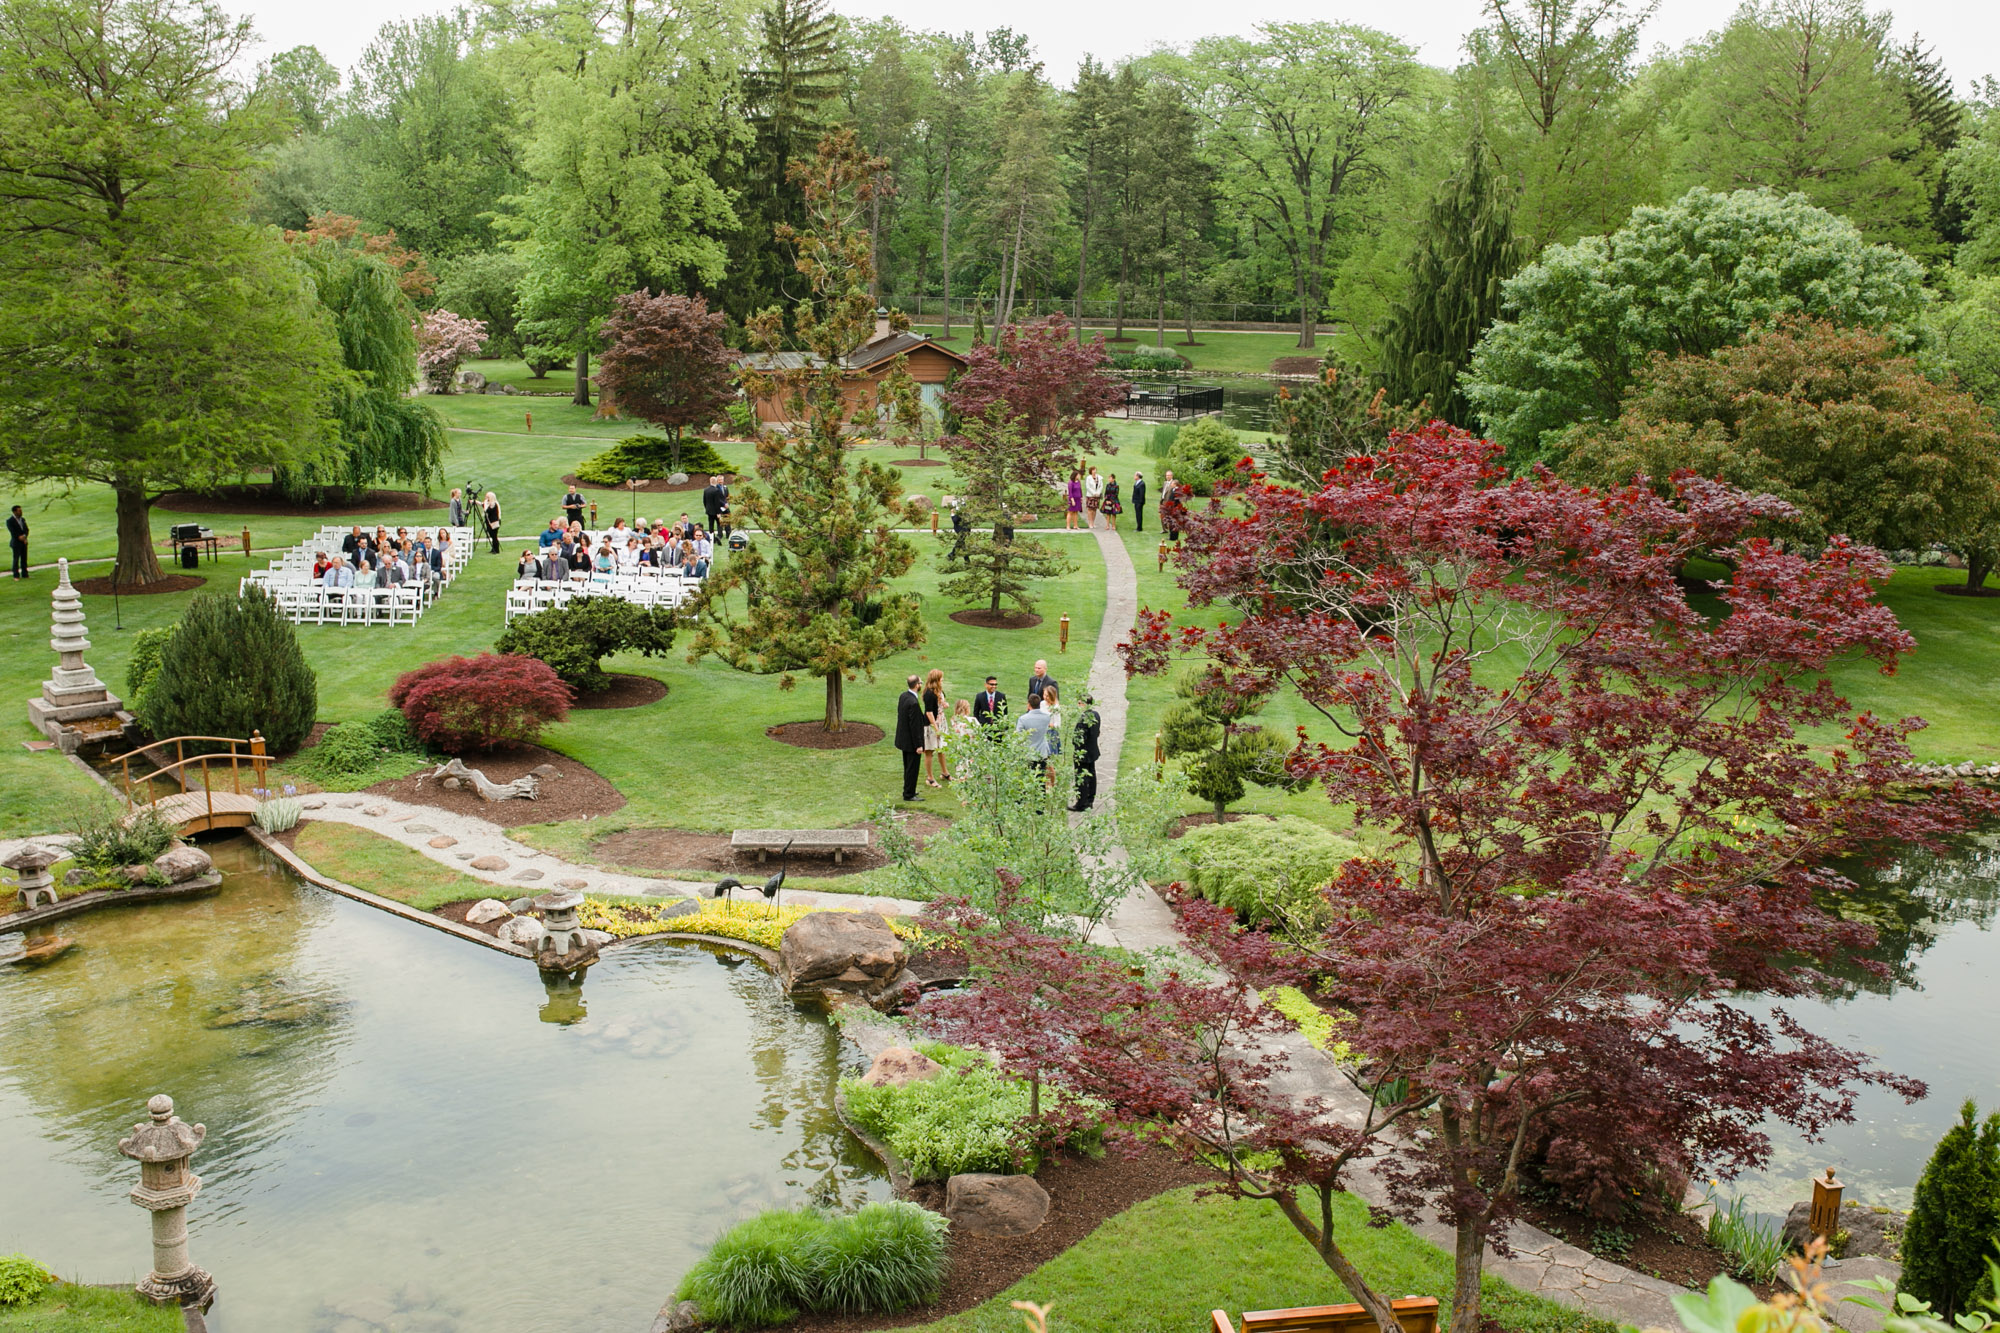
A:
{"x": 32, "y": 864}
{"x": 162, "y": 1147}
{"x": 561, "y": 933}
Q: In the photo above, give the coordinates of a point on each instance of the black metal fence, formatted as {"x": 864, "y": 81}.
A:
{"x": 1173, "y": 402}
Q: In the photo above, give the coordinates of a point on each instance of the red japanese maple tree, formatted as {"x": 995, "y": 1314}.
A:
{"x": 665, "y": 362}
{"x": 1037, "y": 373}
{"x": 1601, "y": 810}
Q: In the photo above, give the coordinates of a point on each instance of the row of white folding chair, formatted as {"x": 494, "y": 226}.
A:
{"x": 400, "y": 605}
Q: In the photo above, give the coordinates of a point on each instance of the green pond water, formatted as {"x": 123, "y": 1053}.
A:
{"x": 405, "y": 1130}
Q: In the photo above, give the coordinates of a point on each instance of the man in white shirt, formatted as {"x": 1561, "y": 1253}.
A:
{"x": 1036, "y": 723}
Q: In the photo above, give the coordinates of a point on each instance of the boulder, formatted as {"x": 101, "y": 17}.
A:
{"x": 986, "y": 1205}
{"x": 677, "y": 1317}
{"x": 485, "y": 910}
{"x": 419, "y": 828}
{"x": 376, "y": 811}
{"x": 573, "y": 884}
{"x": 181, "y": 864}
{"x": 492, "y": 863}
{"x": 684, "y": 907}
{"x": 77, "y": 875}
{"x": 899, "y": 1065}
{"x": 522, "y": 930}
{"x": 453, "y": 784}
{"x": 135, "y": 874}
{"x": 442, "y": 840}
{"x": 520, "y": 905}
{"x": 528, "y": 876}
{"x": 471, "y": 380}
{"x": 544, "y": 772}
{"x": 850, "y": 952}
{"x": 1870, "y": 1230}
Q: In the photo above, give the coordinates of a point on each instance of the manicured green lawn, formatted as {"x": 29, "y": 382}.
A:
{"x": 367, "y": 860}
{"x": 71, "y": 1309}
{"x": 1164, "y": 1264}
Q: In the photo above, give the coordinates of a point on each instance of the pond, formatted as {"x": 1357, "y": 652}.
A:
{"x": 1932, "y": 1018}
{"x": 405, "y": 1129}
{"x": 1246, "y": 404}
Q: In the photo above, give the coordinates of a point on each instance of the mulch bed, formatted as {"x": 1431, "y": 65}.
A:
{"x": 997, "y": 620}
{"x": 266, "y": 499}
{"x": 1186, "y": 822}
{"x": 1673, "y": 1247}
{"x": 672, "y": 849}
{"x": 916, "y": 462}
{"x": 1082, "y": 1195}
{"x": 1950, "y": 589}
{"x": 814, "y": 736}
{"x": 579, "y": 792}
{"x": 171, "y": 583}
{"x": 1296, "y": 365}
{"x": 627, "y": 691}
{"x": 655, "y": 487}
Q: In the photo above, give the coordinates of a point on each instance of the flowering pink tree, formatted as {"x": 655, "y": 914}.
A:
{"x": 443, "y": 340}
{"x": 1601, "y": 811}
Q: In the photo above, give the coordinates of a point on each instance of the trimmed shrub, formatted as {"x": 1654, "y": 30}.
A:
{"x": 886, "y": 1257}
{"x": 1258, "y": 867}
{"x": 574, "y": 639}
{"x": 1202, "y": 454}
{"x": 742, "y": 419}
{"x": 21, "y": 1279}
{"x": 651, "y": 458}
{"x": 1954, "y": 1225}
{"x": 359, "y": 754}
{"x": 476, "y": 703}
{"x": 233, "y": 666}
{"x": 1159, "y": 360}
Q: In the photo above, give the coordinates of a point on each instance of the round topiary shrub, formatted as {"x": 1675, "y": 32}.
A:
{"x": 1203, "y": 453}
{"x": 1261, "y": 867}
{"x": 650, "y": 458}
{"x": 574, "y": 639}
{"x": 478, "y": 703}
{"x": 232, "y": 666}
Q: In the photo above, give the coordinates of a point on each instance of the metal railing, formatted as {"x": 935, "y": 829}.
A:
{"x": 240, "y": 755}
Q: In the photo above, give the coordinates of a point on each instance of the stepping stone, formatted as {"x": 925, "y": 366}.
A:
{"x": 572, "y": 883}
{"x": 489, "y": 863}
{"x": 376, "y": 811}
{"x": 442, "y": 840}
{"x": 315, "y": 804}
{"x": 418, "y": 828}
{"x": 464, "y": 856}
{"x": 529, "y": 875}
{"x": 349, "y": 805}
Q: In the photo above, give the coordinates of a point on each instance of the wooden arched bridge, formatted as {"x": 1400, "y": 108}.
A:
{"x": 208, "y": 797}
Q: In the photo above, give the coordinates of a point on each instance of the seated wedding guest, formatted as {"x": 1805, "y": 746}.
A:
{"x": 618, "y": 531}
{"x": 402, "y": 536}
{"x": 688, "y": 560}
{"x": 337, "y": 574}
{"x": 320, "y": 562}
{"x": 528, "y": 566}
{"x": 441, "y": 552}
{"x": 604, "y": 562}
{"x": 553, "y": 533}
{"x": 552, "y": 568}
{"x": 357, "y": 554}
{"x": 351, "y": 542}
{"x": 704, "y": 552}
{"x": 628, "y": 555}
{"x": 685, "y": 528}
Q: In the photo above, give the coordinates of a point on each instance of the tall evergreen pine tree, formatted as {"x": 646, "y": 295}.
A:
{"x": 1954, "y": 1224}
{"x": 1466, "y": 250}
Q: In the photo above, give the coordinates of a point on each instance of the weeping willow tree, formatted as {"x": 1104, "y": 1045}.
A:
{"x": 384, "y": 432}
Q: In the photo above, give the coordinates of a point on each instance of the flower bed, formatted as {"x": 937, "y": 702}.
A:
{"x": 753, "y": 923}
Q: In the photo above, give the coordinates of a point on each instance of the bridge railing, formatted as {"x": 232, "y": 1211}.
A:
{"x": 241, "y": 755}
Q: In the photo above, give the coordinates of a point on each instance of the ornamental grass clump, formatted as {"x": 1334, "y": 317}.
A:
{"x": 885, "y": 1258}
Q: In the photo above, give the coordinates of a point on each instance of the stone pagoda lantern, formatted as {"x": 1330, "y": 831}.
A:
{"x": 564, "y": 947}
{"x": 73, "y": 692}
{"x": 162, "y": 1147}
{"x": 32, "y": 864}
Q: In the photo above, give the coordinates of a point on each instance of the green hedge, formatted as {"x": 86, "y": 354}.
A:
{"x": 1257, "y": 865}
{"x": 650, "y": 458}
{"x": 885, "y": 1258}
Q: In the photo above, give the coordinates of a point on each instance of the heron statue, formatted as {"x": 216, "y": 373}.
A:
{"x": 729, "y": 883}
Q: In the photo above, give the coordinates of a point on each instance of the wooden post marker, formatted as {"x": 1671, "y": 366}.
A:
{"x": 530, "y": 418}
{"x": 1062, "y": 634}
{"x": 1163, "y": 555}
{"x": 246, "y": 541}
{"x": 1824, "y": 1219}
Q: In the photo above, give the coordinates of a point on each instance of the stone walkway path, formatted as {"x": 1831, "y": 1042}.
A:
{"x": 482, "y": 849}
{"x": 1543, "y": 1264}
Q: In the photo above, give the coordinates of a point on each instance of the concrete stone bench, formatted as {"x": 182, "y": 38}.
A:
{"x": 764, "y": 841}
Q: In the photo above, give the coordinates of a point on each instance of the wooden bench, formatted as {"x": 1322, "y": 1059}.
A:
{"x": 764, "y": 841}
{"x": 1416, "y": 1314}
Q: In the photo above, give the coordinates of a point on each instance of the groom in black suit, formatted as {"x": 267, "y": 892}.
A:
{"x": 910, "y": 736}
{"x": 989, "y": 705}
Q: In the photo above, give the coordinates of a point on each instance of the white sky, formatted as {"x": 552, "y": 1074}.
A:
{"x": 1966, "y": 33}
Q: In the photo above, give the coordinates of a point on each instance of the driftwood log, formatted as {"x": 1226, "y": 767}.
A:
{"x": 524, "y": 788}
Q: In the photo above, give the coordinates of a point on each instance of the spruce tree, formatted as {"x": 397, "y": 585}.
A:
{"x": 1955, "y": 1221}
{"x": 1465, "y": 251}
{"x": 1005, "y": 475}
{"x": 233, "y": 667}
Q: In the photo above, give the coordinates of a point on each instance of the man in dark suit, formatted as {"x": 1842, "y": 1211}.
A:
{"x": 1088, "y": 725}
{"x": 910, "y": 736}
{"x": 1139, "y": 499}
{"x": 17, "y": 541}
{"x": 1041, "y": 680}
{"x": 714, "y": 500}
{"x": 350, "y": 545}
{"x": 989, "y": 705}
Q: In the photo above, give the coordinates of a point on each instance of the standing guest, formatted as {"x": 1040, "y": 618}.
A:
{"x": 962, "y": 724}
{"x": 937, "y": 708}
{"x": 1052, "y": 700}
{"x": 1139, "y": 499}
{"x": 1112, "y": 508}
{"x": 1093, "y": 498}
{"x": 910, "y": 735}
{"x": 457, "y": 507}
{"x": 1073, "y": 501}
{"x": 572, "y": 504}
{"x": 1041, "y": 680}
{"x": 1171, "y": 508}
{"x": 1035, "y": 725}
{"x": 17, "y": 541}
{"x": 961, "y": 526}
{"x": 989, "y": 705}
{"x": 490, "y": 513}
{"x": 1083, "y": 751}
{"x": 713, "y": 499}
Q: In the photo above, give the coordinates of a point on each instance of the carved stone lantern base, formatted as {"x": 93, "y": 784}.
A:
{"x": 194, "y": 1287}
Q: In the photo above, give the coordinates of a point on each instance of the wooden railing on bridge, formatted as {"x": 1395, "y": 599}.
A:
{"x": 192, "y": 810}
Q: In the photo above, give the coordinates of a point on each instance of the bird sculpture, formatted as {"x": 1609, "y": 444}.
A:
{"x": 777, "y": 881}
{"x": 724, "y": 885}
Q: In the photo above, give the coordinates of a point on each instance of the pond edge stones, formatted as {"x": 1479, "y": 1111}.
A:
{"x": 840, "y": 953}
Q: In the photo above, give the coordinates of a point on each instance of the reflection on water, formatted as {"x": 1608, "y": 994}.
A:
{"x": 1246, "y": 404}
{"x": 1932, "y": 1018}
{"x": 395, "y": 1140}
